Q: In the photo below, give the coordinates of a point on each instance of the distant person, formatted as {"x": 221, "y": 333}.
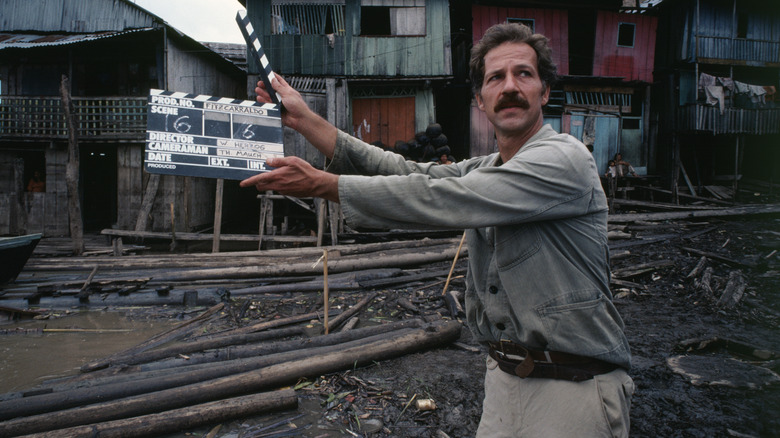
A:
{"x": 623, "y": 167}
{"x": 36, "y": 184}
{"x": 611, "y": 169}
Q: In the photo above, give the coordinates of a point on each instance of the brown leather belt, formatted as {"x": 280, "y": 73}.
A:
{"x": 517, "y": 360}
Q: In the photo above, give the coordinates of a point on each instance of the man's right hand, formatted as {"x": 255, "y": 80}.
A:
{"x": 297, "y": 115}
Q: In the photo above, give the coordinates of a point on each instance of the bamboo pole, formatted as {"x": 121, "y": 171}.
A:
{"x": 454, "y": 261}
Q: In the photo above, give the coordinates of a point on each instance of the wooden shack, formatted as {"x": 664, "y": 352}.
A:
{"x": 718, "y": 70}
{"x": 113, "y": 52}
{"x": 372, "y": 67}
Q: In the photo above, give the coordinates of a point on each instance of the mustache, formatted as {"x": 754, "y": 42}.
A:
{"x": 511, "y": 101}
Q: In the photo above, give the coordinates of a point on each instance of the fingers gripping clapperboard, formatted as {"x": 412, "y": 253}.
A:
{"x": 214, "y": 137}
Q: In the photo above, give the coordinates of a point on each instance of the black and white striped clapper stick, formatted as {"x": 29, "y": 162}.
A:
{"x": 266, "y": 73}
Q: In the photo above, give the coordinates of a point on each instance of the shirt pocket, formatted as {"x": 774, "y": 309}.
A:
{"x": 516, "y": 244}
{"x": 581, "y": 321}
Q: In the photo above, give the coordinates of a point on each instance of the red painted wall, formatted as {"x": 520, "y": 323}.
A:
{"x": 631, "y": 63}
{"x": 552, "y": 23}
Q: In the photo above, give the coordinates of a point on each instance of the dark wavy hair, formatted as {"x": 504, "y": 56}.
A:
{"x": 515, "y": 33}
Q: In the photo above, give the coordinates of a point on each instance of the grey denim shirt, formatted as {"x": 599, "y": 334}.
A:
{"x": 536, "y": 231}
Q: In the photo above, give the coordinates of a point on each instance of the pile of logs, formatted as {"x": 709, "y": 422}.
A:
{"x": 165, "y": 384}
{"x": 208, "y": 278}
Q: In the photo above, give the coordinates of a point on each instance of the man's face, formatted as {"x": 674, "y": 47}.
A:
{"x": 512, "y": 92}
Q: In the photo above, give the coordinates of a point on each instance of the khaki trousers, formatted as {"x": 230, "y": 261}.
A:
{"x": 548, "y": 408}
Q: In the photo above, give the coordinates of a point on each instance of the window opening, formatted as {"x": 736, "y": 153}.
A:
{"x": 530, "y": 22}
{"x": 298, "y": 19}
{"x": 626, "y": 33}
{"x": 392, "y": 21}
{"x": 742, "y": 25}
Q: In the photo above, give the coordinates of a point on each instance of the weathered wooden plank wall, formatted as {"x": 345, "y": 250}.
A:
{"x": 631, "y": 63}
{"x": 351, "y": 54}
{"x": 553, "y": 23}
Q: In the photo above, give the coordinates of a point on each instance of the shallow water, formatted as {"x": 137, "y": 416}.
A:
{"x": 67, "y": 343}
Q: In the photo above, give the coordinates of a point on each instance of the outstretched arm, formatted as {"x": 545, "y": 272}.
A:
{"x": 298, "y": 116}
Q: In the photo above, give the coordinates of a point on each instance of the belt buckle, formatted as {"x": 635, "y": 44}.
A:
{"x": 526, "y": 365}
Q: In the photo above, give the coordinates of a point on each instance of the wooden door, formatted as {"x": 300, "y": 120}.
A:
{"x": 385, "y": 119}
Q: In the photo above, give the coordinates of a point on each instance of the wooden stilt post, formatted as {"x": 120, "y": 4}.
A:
{"x": 218, "y": 215}
{"x": 72, "y": 170}
{"x": 325, "y": 289}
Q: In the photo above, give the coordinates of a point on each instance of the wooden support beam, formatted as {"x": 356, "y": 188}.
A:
{"x": 218, "y": 215}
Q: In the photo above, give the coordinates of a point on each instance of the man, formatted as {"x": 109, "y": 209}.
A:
{"x": 623, "y": 167}
{"x": 536, "y": 219}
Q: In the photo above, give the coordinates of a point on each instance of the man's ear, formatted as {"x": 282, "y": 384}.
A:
{"x": 480, "y": 103}
{"x": 545, "y": 95}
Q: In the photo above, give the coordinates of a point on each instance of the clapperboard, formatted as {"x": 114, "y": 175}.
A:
{"x": 214, "y": 137}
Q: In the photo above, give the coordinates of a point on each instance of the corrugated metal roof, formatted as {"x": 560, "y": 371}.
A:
{"x": 28, "y": 40}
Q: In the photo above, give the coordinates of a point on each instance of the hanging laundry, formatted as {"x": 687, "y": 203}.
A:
{"x": 715, "y": 95}
{"x": 728, "y": 83}
{"x": 705, "y": 81}
{"x": 757, "y": 94}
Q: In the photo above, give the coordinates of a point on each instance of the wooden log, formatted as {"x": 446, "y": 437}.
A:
{"x": 626, "y": 283}
{"x": 735, "y": 289}
{"x": 718, "y": 257}
{"x": 265, "y": 325}
{"x": 642, "y": 268}
{"x": 166, "y": 336}
{"x": 192, "y": 373}
{"x": 736, "y": 211}
{"x": 350, "y": 324}
{"x": 705, "y": 284}
{"x": 273, "y": 376}
{"x": 176, "y": 420}
{"x": 233, "y": 258}
{"x": 399, "y": 258}
{"x": 685, "y": 196}
{"x": 337, "y": 321}
{"x": 698, "y": 268}
{"x": 144, "y": 383}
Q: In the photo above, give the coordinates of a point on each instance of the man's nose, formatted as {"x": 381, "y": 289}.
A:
{"x": 510, "y": 85}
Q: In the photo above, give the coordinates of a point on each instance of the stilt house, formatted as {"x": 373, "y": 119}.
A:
{"x": 112, "y": 52}
{"x": 371, "y": 67}
{"x": 717, "y": 104}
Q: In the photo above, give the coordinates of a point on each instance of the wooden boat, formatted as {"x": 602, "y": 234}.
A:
{"x": 14, "y": 252}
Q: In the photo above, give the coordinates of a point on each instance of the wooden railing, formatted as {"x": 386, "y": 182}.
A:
{"x": 698, "y": 117}
{"x": 98, "y": 118}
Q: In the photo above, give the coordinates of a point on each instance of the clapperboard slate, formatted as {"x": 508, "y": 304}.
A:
{"x": 212, "y": 137}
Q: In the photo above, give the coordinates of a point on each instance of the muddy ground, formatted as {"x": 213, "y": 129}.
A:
{"x": 661, "y": 316}
{"x": 663, "y": 309}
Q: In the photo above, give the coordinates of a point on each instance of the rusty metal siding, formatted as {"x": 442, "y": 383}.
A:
{"x": 553, "y": 23}
{"x": 630, "y": 63}
{"x": 72, "y": 15}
